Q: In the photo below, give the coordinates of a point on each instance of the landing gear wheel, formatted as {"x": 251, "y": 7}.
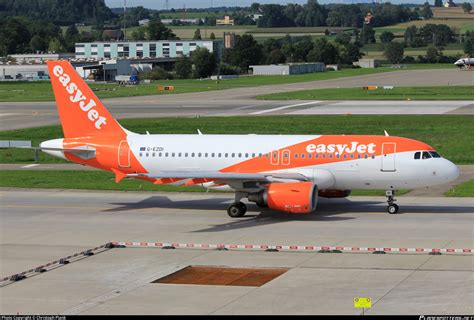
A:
{"x": 392, "y": 208}
{"x": 237, "y": 210}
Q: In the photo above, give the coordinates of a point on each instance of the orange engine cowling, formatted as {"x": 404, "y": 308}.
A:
{"x": 334, "y": 193}
{"x": 298, "y": 197}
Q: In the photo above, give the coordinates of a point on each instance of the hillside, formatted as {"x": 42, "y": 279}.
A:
{"x": 59, "y": 12}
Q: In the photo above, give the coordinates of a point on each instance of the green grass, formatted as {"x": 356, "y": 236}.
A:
{"x": 41, "y": 90}
{"x": 103, "y": 180}
{"x": 450, "y": 135}
{"x": 286, "y": 30}
{"x": 376, "y": 193}
{"x": 397, "y": 93}
{"x": 68, "y": 179}
{"x": 465, "y": 189}
{"x": 419, "y": 66}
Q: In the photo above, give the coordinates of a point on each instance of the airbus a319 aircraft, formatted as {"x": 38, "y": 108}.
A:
{"x": 282, "y": 172}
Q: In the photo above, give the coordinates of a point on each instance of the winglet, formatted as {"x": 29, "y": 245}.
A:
{"x": 386, "y": 133}
{"x": 118, "y": 175}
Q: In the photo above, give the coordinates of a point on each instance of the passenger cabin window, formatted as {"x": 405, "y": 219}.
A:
{"x": 417, "y": 155}
{"x": 435, "y": 154}
{"x": 426, "y": 155}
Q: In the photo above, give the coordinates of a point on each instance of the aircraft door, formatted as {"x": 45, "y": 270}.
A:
{"x": 388, "y": 156}
{"x": 124, "y": 154}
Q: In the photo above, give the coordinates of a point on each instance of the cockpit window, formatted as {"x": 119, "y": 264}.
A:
{"x": 426, "y": 155}
{"x": 417, "y": 155}
{"x": 435, "y": 154}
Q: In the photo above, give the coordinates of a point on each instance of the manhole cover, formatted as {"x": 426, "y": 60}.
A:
{"x": 221, "y": 276}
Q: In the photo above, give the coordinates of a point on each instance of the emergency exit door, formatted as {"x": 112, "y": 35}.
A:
{"x": 388, "y": 156}
{"x": 124, "y": 154}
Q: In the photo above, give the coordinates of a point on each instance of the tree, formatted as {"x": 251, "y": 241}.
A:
{"x": 55, "y": 45}
{"x": 138, "y": 34}
{"x": 469, "y": 43}
{"x": 301, "y": 48}
{"x": 426, "y": 12}
{"x": 274, "y": 16}
{"x": 438, "y": 3}
{"x": 14, "y": 37}
{"x": 323, "y": 51}
{"x": 246, "y": 52}
{"x": 204, "y": 62}
{"x": 183, "y": 67}
{"x": 197, "y": 34}
{"x": 71, "y": 37}
{"x": 276, "y": 57}
{"x": 158, "y": 31}
{"x": 343, "y": 38}
{"x": 368, "y": 34}
{"x": 433, "y": 54}
{"x": 467, "y": 7}
{"x": 59, "y": 12}
{"x": 394, "y": 52}
{"x": 438, "y": 34}
{"x": 37, "y": 44}
{"x": 212, "y": 36}
{"x": 386, "y": 37}
{"x": 348, "y": 53}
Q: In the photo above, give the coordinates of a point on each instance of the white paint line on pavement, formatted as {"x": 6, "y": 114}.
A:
{"x": 30, "y": 165}
{"x": 285, "y": 107}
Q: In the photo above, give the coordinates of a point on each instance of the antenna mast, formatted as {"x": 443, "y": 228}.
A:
{"x": 124, "y": 20}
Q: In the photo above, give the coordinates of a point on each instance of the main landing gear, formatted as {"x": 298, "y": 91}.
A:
{"x": 238, "y": 208}
{"x": 392, "y": 207}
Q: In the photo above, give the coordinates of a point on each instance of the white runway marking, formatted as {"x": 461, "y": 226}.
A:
{"x": 285, "y": 107}
{"x": 30, "y": 165}
{"x": 8, "y": 114}
{"x": 385, "y": 107}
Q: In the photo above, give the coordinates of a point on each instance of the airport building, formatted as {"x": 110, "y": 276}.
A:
{"x": 286, "y": 69}
{"x": 142, "y": 49}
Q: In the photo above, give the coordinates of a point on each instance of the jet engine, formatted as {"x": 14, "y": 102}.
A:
{"x": 294, "y": 197}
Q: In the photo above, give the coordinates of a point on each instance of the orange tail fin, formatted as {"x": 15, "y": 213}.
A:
{"x": 80, "y": 111}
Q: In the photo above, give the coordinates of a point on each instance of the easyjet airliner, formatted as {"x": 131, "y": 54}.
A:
{"x": 282, "y": 172}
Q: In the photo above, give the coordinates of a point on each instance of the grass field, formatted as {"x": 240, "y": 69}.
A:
{"x": 103, "y": 180}
{"x": 41, "y": 90}
{"x": 465, "y": 189}
{"x": 397, "y": 93}
{"x": 461, "y": 24}
{"x": 450, "y": 135}
{"x": 419, "y": 66}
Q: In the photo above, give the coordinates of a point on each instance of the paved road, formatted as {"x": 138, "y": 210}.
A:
{"x": 40, "y": 226}
{"x": 241, "y": 101}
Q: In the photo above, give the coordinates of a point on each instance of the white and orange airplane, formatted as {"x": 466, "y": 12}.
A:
{"x": 282, "y": 172}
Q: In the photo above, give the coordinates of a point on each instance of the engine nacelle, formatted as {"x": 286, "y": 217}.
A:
{"x": 334, "y": 193}
{"x": 294, "y": 197}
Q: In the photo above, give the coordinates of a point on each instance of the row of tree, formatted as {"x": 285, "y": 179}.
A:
{"x": 59, "y": 12}
{"x": 339, "y": 15}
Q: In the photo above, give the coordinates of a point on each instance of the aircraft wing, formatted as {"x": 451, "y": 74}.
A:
{"x": 207, "y": 176}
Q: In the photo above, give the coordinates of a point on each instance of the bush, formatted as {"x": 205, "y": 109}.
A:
{"x": 228, "y": 69}
{"x": 157, "y": 73}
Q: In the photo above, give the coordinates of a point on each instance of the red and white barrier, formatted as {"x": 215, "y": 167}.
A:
{"x": 263, "y": 247}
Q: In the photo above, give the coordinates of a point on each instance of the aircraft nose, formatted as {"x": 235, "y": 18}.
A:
{"x": 451, "y": 171}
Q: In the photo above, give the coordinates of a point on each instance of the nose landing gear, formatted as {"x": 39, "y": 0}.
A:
{"x": 392, "y": 207}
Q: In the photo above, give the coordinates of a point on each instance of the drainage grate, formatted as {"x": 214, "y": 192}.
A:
{"x": 221, "y": 276}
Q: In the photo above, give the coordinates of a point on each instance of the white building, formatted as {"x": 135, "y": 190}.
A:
{"x": 287, "y": 69}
